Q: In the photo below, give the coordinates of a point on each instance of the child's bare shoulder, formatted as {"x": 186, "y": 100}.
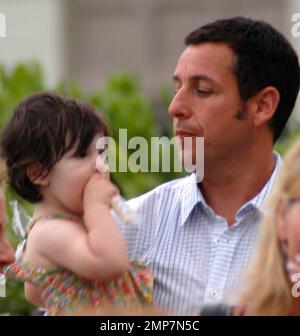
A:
{"x": 54, "y": 233}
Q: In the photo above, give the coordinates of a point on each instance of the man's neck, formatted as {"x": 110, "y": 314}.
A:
{"x": 226, "y": 190}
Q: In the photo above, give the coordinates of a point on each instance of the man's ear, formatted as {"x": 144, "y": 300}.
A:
{"x": 36, "y": 175}
{"x": 263, "y": 105}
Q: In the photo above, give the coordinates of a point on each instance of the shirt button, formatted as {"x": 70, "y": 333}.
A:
{"x": 214, "y": 294}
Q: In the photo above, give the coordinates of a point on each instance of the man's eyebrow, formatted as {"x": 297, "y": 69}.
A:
{"x": 196, "y": 78}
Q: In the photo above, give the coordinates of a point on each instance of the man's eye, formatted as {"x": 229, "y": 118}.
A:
{"x": 201, "y": 92}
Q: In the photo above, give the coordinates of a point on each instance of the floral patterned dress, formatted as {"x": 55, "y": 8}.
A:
{"x": 64, "y": 291}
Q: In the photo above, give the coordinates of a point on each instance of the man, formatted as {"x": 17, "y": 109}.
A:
{"x": 236, "y": 83}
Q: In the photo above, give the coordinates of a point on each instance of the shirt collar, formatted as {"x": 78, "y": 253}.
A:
{"x": 192, "y": 196}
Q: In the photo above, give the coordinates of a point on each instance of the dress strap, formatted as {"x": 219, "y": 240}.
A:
{"x": 49, "y": 216}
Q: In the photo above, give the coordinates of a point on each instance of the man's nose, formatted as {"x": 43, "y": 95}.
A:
{"x": 7, "y": 254}
{"x": 179, "y": 106}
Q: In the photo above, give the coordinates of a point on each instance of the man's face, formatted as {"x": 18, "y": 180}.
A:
{"x": 207, "y": 102}
{"x": 7, "y": 255}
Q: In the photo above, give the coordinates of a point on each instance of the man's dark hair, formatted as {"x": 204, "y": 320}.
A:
{"x": 264, "y": 58}
{"x": 41, "y": 130}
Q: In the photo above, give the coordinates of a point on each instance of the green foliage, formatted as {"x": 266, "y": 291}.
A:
{"x": 287, "y": 139}
{"x": 166, "y": 94}
{"x": 17, "y": 84}
{"x": 15, "y": 302}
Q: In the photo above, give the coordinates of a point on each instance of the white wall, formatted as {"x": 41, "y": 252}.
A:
{"x": 35, "y": 30}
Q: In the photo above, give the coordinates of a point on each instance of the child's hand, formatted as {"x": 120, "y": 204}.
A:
{"x": 99, "y": 189}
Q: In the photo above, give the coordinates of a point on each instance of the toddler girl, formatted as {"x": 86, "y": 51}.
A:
{"x": 73, "y": 252}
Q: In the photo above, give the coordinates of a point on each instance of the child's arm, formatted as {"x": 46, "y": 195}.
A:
{"x": 33, "y": 294}
{"x": 104, "y": 237}
{"x": 94, "y": 250}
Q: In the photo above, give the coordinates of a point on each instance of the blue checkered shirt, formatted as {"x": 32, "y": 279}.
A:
{"x": 195, "y": 256}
